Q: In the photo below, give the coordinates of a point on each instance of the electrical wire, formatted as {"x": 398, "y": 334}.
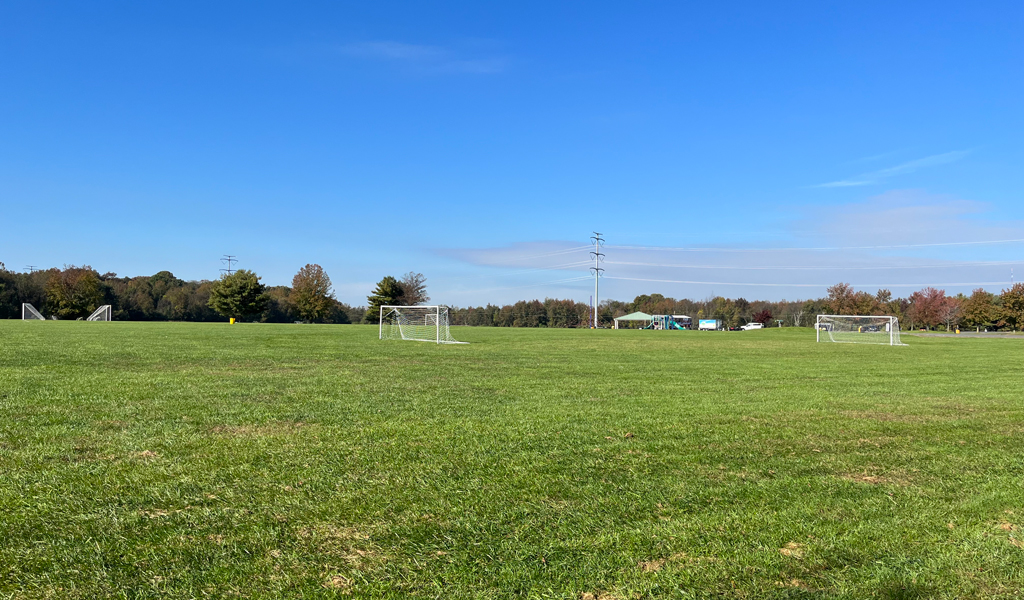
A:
{"x": 566, "y": 251}
{"x": 516, "y": 287}
{"x": 814, "y": 268}
{"x": 830, "y": 248}
{"x": 808, "y": 285}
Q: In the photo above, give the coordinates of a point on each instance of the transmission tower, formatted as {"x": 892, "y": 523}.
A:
{"x": 31, "y": 269}
{"x": 598, "y": 257}
{"x": 230, "y": 260}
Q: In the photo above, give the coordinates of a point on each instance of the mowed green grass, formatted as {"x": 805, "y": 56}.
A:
{"x": 145, "y": 460}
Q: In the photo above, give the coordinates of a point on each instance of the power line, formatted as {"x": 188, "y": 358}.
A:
{"x": 828, "y": 248}
{"x": 230, "y": 259}
{"x": 566, "y": 251}
{"x": 817, "y": 285}
{"x": 515, "y": 287}
{"x": 32, "y": 268}
{"x": 598, "y": 257}
{"x": 812, "y": 268}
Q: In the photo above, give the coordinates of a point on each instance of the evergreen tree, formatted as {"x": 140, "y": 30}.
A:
{"x": 239, "y": 295}
{"x": 388, "y": 292}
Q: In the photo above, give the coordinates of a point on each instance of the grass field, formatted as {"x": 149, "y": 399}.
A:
{"x": 145, "y": 460}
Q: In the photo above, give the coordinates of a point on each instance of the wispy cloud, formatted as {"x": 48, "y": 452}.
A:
{"x": 902, "y": 239}
{"x": 901, "y": 169}
{"x": 423, "y": 58}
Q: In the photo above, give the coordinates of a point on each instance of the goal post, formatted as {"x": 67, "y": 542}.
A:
{"x": 29, "y": 313}
{"x": 858, "y": 329}
{"x": 102, "y": 313}
{"x": 416, "y": 323}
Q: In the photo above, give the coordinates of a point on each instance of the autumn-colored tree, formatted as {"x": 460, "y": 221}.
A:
{"x": 239, "y": 295}
{"x": 927, "y": 307}
{"x": 1013, "y": 306}
{"x": 764, "y": 317}
{"x": 950, "y": 312}
{"x": 311, "y": 293}
{"x": 979, "y": 310}
{"x": 414, "y": 289}
{"x": 840, "y": 299}
{"x": 73, "y": 293}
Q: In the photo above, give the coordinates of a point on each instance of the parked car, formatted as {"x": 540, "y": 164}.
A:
{"x": 750, "y": 326}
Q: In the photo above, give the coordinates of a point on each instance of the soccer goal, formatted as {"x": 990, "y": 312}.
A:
{"x": 102, "y": 313}
{"x": 855, "y": 329}
{"x": 29, "y": 313}
{"x": 416, "y": 323}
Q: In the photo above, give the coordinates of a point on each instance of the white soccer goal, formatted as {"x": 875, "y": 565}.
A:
{"x": 416, "y": 323}
{"x": 856, "y": 329}
{"x": 29, "y": 313}
{"x": 102, "y": 313}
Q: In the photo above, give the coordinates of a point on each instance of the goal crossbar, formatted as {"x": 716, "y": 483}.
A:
{"x": 858, "y": 329}
{"x": 416, "y": 323}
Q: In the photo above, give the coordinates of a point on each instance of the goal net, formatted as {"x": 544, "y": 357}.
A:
{"x": 29, "y": 313}
{"x": 416, "y": 323}
{"x": 101, "y": 314}
{"x": 855, "y": 329}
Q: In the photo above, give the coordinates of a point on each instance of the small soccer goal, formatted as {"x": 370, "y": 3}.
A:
{"x": 29, "y": 313}
{"x": 102, "y": 313}
{"x": 416, "y": 323}
{"x": 857, "y": 329}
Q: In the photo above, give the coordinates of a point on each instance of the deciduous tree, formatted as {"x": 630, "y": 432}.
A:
{"x": 73, "y": 293}
{"x": 1013, "y": 306}
{"x": 311, "y": 293}
{"x": 927, "y": 306}
{"x": 979, "y": 310}
{"x": 840, "y": 299}
{"x": 414, "y": 289}
{"x": 764, "y": 317}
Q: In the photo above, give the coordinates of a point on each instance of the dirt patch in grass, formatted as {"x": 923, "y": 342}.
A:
{"x": 652, "y": 566}
{"x": 338, "y": 582}
{"x": 347, "y": 543}
{"x": 792, "y": 550}
{"x": 873, "y": 477}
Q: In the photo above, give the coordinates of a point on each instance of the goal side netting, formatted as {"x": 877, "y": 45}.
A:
{"x": 29, "y": 313}
{"x": 416, "y": 323}
{"x": 102, "y": 313}
{"x": 857, "y": 329}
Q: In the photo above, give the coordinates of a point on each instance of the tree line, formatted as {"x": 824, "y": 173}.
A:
{"x": 928, "y": 309}
{"x": 74, "y": 292}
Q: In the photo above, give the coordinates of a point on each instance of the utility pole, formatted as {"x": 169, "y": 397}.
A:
{"x": 31, "y": 269}
{"x": 230, "y": 259}
{"x": 598, "y": 257}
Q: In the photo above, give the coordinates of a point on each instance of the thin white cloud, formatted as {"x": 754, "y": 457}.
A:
{"x": 902, "y": 239}
{"x": 901, "y": 169}
{"x": 423, "y": 58}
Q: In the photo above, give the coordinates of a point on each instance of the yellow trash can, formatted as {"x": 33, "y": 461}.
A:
{"x": 232, "y": 320}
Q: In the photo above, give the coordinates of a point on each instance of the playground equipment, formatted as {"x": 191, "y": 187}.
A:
{"x": 678, "y": 322}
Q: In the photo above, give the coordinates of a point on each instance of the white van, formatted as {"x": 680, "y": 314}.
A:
{"x": 750, "y": 326}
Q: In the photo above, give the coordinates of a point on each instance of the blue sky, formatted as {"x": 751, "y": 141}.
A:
{"x": 763, "y": 150}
